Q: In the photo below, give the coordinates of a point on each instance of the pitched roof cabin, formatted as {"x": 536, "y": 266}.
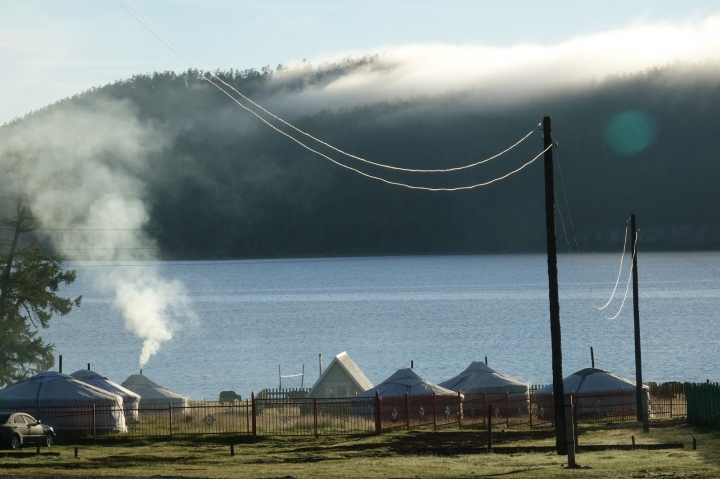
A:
{"x": 342, "y": 378}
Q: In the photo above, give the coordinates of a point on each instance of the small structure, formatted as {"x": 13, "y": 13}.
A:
{"x": 131, "y": 400}
{"x": 479, "y": 378}
{"x": 407, "y": 381}
{"x": 66, "y": 404}
{"x": 598, "y": 393}
{"x": 342, "y": 378}
{"x": 506, "y": 395}
{"x": 153, "y": 397}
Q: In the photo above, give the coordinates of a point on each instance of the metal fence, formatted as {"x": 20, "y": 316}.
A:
{"x": 703, "y": 405}
{"x": 355, "y": 416}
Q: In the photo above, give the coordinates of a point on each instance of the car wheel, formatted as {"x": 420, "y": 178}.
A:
{"x": 49, "y": 439}
{"x": 15, "y": 442}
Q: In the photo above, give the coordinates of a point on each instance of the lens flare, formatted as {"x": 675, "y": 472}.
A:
{"x": 631, "y": 132}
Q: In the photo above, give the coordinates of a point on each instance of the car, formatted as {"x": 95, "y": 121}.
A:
{"x": 16, "y": 428}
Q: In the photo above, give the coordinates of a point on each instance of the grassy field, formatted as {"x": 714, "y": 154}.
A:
{"x": 417, "y": 454}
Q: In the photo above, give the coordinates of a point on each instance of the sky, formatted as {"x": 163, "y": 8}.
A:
{"x": 55, "y": 49}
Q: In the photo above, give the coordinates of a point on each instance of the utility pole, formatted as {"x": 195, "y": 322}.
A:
{"x": 636, "y": 311}
{"x": 558, "y": 387}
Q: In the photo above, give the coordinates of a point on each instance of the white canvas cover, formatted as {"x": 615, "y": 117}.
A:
{"x": 131, "y": 400}
{"x": 479, "y": 378}
{"x": 590, "y": 384}
{"x": 406, "y": 381}
{"x": 65, "y": 403}
{"x": 590, "y": 380}
{"x": 152, "y": 395}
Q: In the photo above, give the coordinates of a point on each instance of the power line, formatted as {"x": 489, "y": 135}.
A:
{"x": 619, "y": 272}
{"x": 205, "y": 70}
{"x": 627, "y": 287}
{"x": 699, "y": 263}
{"x": 394, "y": 183}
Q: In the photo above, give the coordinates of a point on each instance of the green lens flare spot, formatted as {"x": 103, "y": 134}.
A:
{"x": 630, "y": 132}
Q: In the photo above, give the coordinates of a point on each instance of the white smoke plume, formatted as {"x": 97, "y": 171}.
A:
{"x": 85, "y": 190}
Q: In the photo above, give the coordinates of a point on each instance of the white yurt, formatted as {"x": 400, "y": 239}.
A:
{"x": 131, "y": 400}
{"x": 479, "y": 378}
{"x": 406, "y": 381}
{"x": 483, "y": 386}
{"x": 598, "y": 392}
{"x": 65, "y": 403}
{"x": 154, "y": 397}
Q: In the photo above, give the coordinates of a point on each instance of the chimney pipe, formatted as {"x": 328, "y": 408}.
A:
{"x": 320, "y": 363}
{"x": 60, "y": 365}
{"x": 485, "y": 360}
{"x": 412, "y": 366}
{"x": 592, "y": 357}
{"x": 88, "y": 366}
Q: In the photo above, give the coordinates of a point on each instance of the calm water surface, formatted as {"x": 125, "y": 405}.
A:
{"x": 440, "y": 311}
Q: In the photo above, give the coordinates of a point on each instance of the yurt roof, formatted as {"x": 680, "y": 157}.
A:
{"x": 148, "y": 389}
{"x": 479, "y": 378}
{"x": 348, "y": 365}
{"x": 54, "y": 389}
{"x": 589, "y": 380}
{"x": 406, "y": 381}
{"x": 97, "y": 380}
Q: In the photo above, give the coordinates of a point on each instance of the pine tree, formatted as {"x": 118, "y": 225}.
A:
{"x": 29, "y": 284}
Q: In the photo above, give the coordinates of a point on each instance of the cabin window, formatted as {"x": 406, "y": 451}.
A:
{"x": 337, "y": 390}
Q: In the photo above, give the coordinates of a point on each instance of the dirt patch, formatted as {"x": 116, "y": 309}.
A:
{"x": 141, "y": 458}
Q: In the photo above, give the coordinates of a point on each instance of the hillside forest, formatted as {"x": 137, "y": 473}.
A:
{"x": 215, "y": 182}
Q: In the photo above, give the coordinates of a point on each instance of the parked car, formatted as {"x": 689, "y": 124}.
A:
{"x": 17, "y": 428}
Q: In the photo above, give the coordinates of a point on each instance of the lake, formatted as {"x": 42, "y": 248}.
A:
{"x": 442, "y": 312}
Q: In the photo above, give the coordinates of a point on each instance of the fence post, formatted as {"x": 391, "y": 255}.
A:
{"x": 507, "y": 409}
{"x": 315, "y": 417}
{"x": 670, "y": 393}
{"x": 434, "y": 411}
{"x": 489, "y": 428}
{"x": 531, "y": 408}
{"x": 622, "y": 404}
{"x": 484, "y": 407}
{"x": 247, "y": 417}
{"x": 170, "y": 414}
{"x": 94, "y": 424}
{"x": 573, "y": 403}
{"x": 407, "y": 410}
{"x": 378, "y": 416}
{"x": 254, "y": 414}
{"x": 459, "y": 411}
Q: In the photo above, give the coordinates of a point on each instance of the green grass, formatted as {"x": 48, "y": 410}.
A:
{"x": 416, "y": 454}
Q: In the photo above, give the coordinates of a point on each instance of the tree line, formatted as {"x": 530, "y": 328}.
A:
{"x": 229, "y": 187}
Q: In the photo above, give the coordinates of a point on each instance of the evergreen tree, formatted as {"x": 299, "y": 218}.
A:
{"x": 29, "y": 284}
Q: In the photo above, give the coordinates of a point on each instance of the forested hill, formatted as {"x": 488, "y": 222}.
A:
{"x": 223, "y": 185}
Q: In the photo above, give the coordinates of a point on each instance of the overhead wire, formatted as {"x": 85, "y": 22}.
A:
{"x": 572, "y": 226}
{"x": 617, "y": 281}
{"x": 394, "y": 183}
{"x": 381, "y": 165}
{"x": 312, "y": 150}
{"x": 699, "y": 263}
{"x": 627, "y": 287}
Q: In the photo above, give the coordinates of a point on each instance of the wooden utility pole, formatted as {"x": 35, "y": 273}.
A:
{"x": 558, "y": 387}
{"x": 636, "y": 311}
